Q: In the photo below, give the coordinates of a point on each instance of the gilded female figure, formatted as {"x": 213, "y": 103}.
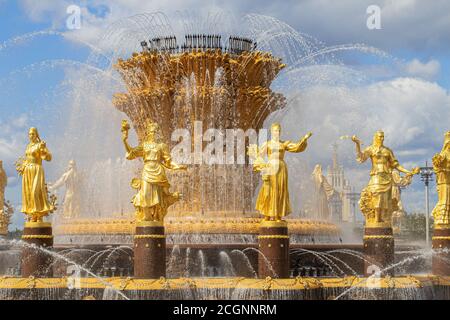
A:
{"x": 273, "y": 199}
{"x": 153, "y": 197}
{"x": 3, "y": 184}
{"x": 35, "y": 202}
{"x": 441, "y": 164}
{"x": 376, "y": 199}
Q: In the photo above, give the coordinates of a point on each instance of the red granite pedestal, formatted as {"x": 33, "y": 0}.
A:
{"x": 35, "y": 262}
{"x": 149, "y": 251}
{"x": 378, "y": 250}
{"x": 273, "y": 259}
{"x": 441, "y": 252}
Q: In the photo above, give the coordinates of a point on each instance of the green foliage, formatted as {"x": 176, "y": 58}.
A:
{"x": 15, "y": 235}
{"x": 413, "y": 226}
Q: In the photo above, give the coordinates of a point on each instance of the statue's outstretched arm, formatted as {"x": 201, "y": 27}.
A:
{"x": 59, "y": 183}
{"x": 299, "y": 146}
{"x": 400, "y": 168}
{"x": 361, "y": 156}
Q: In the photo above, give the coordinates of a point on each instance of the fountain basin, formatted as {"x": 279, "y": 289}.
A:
{"x": 192, "y": 230}
{"x": 404, "y": 287}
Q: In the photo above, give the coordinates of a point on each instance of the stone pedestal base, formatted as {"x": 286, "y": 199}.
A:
{"x": 35, "y": 262}
{"x": 378, "y": 250}
{"x": 273, "y": 239}
{"x": 441, "y": 254}
{"x": 149, "y": 251}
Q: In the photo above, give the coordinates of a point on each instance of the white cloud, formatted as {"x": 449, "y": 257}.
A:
{"x": 12, "y": 140}
{"x": 413, "y": 113}
{"x": 412, "y": 24}
{"x": 428, "y": 70}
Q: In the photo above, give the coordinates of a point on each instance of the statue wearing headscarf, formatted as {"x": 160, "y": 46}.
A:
{"x": 3, "y": 184}
{"x": 35, "y": 202}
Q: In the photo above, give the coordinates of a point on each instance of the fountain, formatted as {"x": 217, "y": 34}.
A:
{"x": 199, "y": 85}
{"x": 211, "y": 243}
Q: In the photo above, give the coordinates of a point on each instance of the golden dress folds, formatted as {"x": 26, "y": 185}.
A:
{"x": 153, "y": 187}
{"x": 441, "y": 212}
{"x": 381, "y": 182}
{"x": 273, "y": 198}
{"x": 34, "y": 190}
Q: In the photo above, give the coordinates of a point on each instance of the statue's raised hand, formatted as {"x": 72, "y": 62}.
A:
{"x": 125, "y": 129}
{"x": 356, "y": 140}
{"x": 42, "y": 145}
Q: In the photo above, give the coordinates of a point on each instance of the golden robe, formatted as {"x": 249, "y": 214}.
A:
{"x": 441, "y": 164}
{"x": 379, "y": 189}
{"x": 153, "y": 187}
{"x": 3, "y": 184}
{"x": 273, "y": 198}
{"x": 34, "y": 190}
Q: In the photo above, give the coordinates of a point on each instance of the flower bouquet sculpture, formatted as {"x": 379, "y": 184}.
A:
{"x": 153, "y": 197}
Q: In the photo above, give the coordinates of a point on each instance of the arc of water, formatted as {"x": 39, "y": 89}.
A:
{"x": 58, "y": 256}
{"x": 395, "y": 265}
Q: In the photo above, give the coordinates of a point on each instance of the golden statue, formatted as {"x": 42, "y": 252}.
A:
{"x": 3, "y": 184}
{"x": 35, "y": 201}
{"x": 323, "y": 193}
{"x": 441, "y": 164}
{"x": 273, "y": 199}
{"x": 5, "y": 217}
{"x": 153, "y": 197}
{"x": 6, "y": 209}
{"x": 376, "y": 199}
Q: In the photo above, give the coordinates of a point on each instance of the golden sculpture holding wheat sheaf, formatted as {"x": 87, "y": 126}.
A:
{"x": 36, "y": 202}
{"x": 153, "y": 197}
{"x": 377, "y": 203}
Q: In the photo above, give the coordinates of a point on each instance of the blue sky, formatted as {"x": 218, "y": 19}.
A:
{"x": 414, "y": 32}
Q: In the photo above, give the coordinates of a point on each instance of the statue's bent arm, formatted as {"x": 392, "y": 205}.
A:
{"x": 133, "y": 153}
{"x": 45, "y": 154}
{"x": 362, "y": 156}
{"x": 296, "y": 147}
{"x": 167, "y": 159}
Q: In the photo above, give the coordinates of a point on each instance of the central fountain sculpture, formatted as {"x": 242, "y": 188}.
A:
{"x": 377, "y": 204}
{"x": 197, "y": 86}
{"x": 219, "y": 88}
